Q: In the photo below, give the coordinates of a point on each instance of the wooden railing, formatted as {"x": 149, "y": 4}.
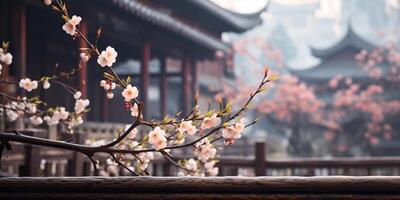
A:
{"x": 161, "y": 188}
{"x": 28, "y": 160}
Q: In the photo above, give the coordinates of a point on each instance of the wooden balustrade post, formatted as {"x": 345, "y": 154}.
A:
{"x": 260, "y": 153}
{"x": 155, "y": 169}
{"x": 31, "y": 166}
{"x": 166, "y": 169}
{"x": 48, "y": 169}
{"x": 75, "y": 165}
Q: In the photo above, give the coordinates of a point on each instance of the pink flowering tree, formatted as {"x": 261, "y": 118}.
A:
{"x": 364, "y": 114}
{"x": 294, "y": 109}
{"x": 382, "y": 63}
{"x": 139, "y": 142}
{"x": 365, "y": 111}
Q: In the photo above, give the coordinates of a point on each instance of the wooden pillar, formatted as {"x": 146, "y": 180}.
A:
{"x": 195, "y": 78}
{"x": 185, "y": 75}
{"x": 19, "y": 38}
{"x": 260, "y": 152}
{"x": 83, "y": 72}
{"x": 166, "y": 169}
{"x": 75, "y": 166}
{"x": 31, "y": 166}
{"x": 145, "y": 75}
{"x": 163, "y": 86}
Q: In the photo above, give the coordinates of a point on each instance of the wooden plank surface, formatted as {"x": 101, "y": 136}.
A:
{"x": 375, "y": 187}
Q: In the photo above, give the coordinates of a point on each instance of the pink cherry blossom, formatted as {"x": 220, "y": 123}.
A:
{"x": 130, "y": 92}
{"x": 70, "y": 26}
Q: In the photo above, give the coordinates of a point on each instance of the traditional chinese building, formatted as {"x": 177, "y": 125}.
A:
{"x": 338, "y": 59}
{"x": 165, "y": 46}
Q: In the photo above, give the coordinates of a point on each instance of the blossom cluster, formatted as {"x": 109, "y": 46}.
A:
{"x": 382, "y": 62}
{"x": 5, "y": 58}
{"x": 292, "y": 96}
{"x": 142, "y": 145}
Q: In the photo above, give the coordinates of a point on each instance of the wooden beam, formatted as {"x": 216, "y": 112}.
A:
{"x": 163, "y": 86}
{"x": 145, "y": 75}
{"x": 83, "y": 71}
{"x": 185, "y": 85}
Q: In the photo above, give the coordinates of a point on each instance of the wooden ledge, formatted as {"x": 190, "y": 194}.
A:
{"x": 337, "y": 187}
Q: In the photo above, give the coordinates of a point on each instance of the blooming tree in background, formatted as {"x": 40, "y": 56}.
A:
{"x": 294, "y": 109}
{"x": 366, "y": 112}
{"x": 381, "y": 63}
{"x": 138, "y": 143}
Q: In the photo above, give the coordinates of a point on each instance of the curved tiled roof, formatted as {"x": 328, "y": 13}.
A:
{"x": 351, "y": 39}
{"x": 239, "y": 22}
{"x": 164, "y": 20}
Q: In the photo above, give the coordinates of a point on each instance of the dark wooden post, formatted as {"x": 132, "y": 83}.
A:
{"x": 260, "y": 153}
{"x": 166, "y": 169}
{"x": 83, "y": 72}
{"x": 185, "y": 75}
{"x": 75, "y": 166}
{"x": 31, "y": 166}
{"x": 163, "y": 86}
{"x": 195, "y": 78}
{"x": 145, "y": 74}
{"x": 155, "y": 169}
{"x": 19, "y": 39}
{"x": 87, "y": 168}
{"x": 48, "y": 169}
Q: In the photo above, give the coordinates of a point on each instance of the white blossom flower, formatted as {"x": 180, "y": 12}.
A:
{"x": 77, "y": 95}
{"x": 180, "y": 173}
{"x": 60, "y": 114}
{"x": 133, "y": 133}
{"x": 191, "y": 165}
{"x": 210, "y": 122}
{"x": 110, "y": 95}
{"x": 130, "y": 93}
{"x": 47, "y": 2}
{"x": 186, "y": 126}
{"x": 11, "y": 115}
{"x": 27, "y": 84}
{"x": 6, "y": 58}
{"x": 46, "y": 84}
{"x": 70, "y": 26}
{"x": 135, "y": 110}
{"x": 80, "y": 105}
{"x": 74, "y": 121}
{"x": 31, "y": 108}
{"x": 234, "y": 132}
{"x": 205, "y": 150}
{"x": 157, "y": 138}
{"x": 209, "y": 165}
{"x": 103, "y": 83}
{"x": 107, "y": 57}
{"x": 84, "y": 57}
{"x": 213, "y": 172}
{"x": 36, "y": 120}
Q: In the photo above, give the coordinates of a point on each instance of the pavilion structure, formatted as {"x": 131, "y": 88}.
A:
{"x": 338, "y": 59}
{"x": 162, "y": 45}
